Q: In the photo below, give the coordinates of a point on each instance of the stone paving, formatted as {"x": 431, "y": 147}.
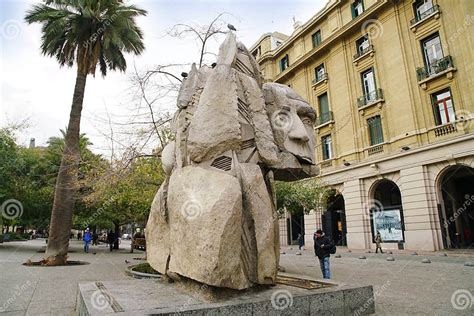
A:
{"x": 404, "y": 286}
{"x": 52, "y": 290}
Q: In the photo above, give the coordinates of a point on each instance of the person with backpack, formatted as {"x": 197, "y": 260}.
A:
{"x": 323, "y": 247}
{"x": 87, "y": 239}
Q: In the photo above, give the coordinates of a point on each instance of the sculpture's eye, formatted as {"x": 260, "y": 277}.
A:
{"x": 307, "y": 121}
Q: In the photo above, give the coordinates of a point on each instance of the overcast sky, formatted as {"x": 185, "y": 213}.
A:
{"x": 33, "y": 87}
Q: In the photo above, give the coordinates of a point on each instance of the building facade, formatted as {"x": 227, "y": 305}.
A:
{"x": 391, "y": 81}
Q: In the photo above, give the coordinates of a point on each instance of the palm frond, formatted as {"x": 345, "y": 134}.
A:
{"x": 88, "y": 32}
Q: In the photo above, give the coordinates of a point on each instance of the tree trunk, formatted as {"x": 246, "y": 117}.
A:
{"x": 66, "y": 183}
{"x": 117, "y": 235}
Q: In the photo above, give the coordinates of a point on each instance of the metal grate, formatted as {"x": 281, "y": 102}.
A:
{"x": 109, "y": 298}
{"x": 242, "y": 107}
{"x": 301, "y": 283}
{"x": 223, "y": 163}
{"x": 247, "y": 144}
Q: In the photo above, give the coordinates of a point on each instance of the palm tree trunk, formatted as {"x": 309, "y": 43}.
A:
{"x": 66, "y": 183}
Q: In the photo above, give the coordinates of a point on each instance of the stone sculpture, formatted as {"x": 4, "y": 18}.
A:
{"x": 214, "y": 218}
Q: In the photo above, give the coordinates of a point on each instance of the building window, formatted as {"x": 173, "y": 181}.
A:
{"x": 320, "y": 72}
{"x": 284, "y": 63}
{"x": 375, "y": 130}
{"x": 443, "y": 107}
{"x": 316, "y": 38}
{"x": 324, "y": 113}
{"x": 422, "y": 9}
{"x": 256, "y": 53}
{"x": 362, "y": 45}
{"x": 326, "y": 144}
{"x": 369, "y": 86}
{"x": 323, "y": 104}
{"x": 432, "y": 53}
{"x": 357, "y": 8}
{"x": 275, "y": 43}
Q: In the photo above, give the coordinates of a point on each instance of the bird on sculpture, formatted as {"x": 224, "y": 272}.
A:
{"x": 184, "y": 74}
{"x": 231, "y": 27}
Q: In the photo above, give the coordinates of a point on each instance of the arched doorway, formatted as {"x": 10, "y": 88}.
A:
{"x": 295, "y": 226}
{"x": 334, "y": 219}
{"x": 386, "y": 212}
{"x": 456, "y": 206}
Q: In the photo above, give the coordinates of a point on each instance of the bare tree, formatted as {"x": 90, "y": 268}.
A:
{"x": 201, "y": 33}
{"x": 156, "y": 89}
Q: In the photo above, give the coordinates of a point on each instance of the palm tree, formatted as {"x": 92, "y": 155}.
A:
{"x": 86, "y": 33}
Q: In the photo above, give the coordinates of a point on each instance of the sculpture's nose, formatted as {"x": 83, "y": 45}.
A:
{"x": 297, "y": 130}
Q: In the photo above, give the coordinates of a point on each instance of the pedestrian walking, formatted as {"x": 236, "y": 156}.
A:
{"x": 95, "y": 239}
{"x": 87, "y": 239}
{"x": 300, "y": 241}
{"x": 378, "y": 242}
{"x": 323, "y": 246}
{"x": 111, "y": 239}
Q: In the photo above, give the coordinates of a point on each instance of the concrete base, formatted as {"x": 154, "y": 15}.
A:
{"x": 145, "y": 297}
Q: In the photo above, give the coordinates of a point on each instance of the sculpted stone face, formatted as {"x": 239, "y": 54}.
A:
{"x": 214, "y": 219}
{"x": 292, "y": 120}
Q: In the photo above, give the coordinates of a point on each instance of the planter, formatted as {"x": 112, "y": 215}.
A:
{"x": 142, "y": 275}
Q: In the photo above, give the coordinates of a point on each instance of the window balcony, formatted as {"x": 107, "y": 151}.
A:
{"x": 375, "y": 149}
{"x": 324, "y": 119}
{"x": 326, "y": 163}
{"x": 324, "y": 77}
{"x": 435, "y": 68}
{"x": 445, "y": 129}
{"x": 370, "y": 98}
{"x": 424, "y": 15}
{"x": 363, "y": 52}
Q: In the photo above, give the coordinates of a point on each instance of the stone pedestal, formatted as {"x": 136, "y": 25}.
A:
{"x": 145, "y": 297}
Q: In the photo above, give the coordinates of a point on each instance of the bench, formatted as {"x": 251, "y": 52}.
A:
{"x": 138, "y": 243}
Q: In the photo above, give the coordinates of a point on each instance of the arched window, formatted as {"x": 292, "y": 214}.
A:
{"x": 387, "y": 214}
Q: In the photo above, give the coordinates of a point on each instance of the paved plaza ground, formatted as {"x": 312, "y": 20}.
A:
{"x": 404, "y": 286}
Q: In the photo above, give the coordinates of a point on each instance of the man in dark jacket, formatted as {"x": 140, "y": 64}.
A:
{"x": 111, "y": 239}
{"x": 322, "y": 249}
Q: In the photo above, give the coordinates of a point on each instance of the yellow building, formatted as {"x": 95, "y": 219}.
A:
{"x": 392, "y": 83}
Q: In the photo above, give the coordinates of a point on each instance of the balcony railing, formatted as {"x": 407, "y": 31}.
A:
{"x": 320, "y": 78}
{"x": 326, "y": 163}
{"x": 375, "y": 150}
{"x": 324, "y": 118}
{"x": 434, "y": 68}
{"x": 424, "y": 14}
{"x": 445, "y": 130}
{"x": 364, "y": 51}
{"x": 370, "y": 97}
